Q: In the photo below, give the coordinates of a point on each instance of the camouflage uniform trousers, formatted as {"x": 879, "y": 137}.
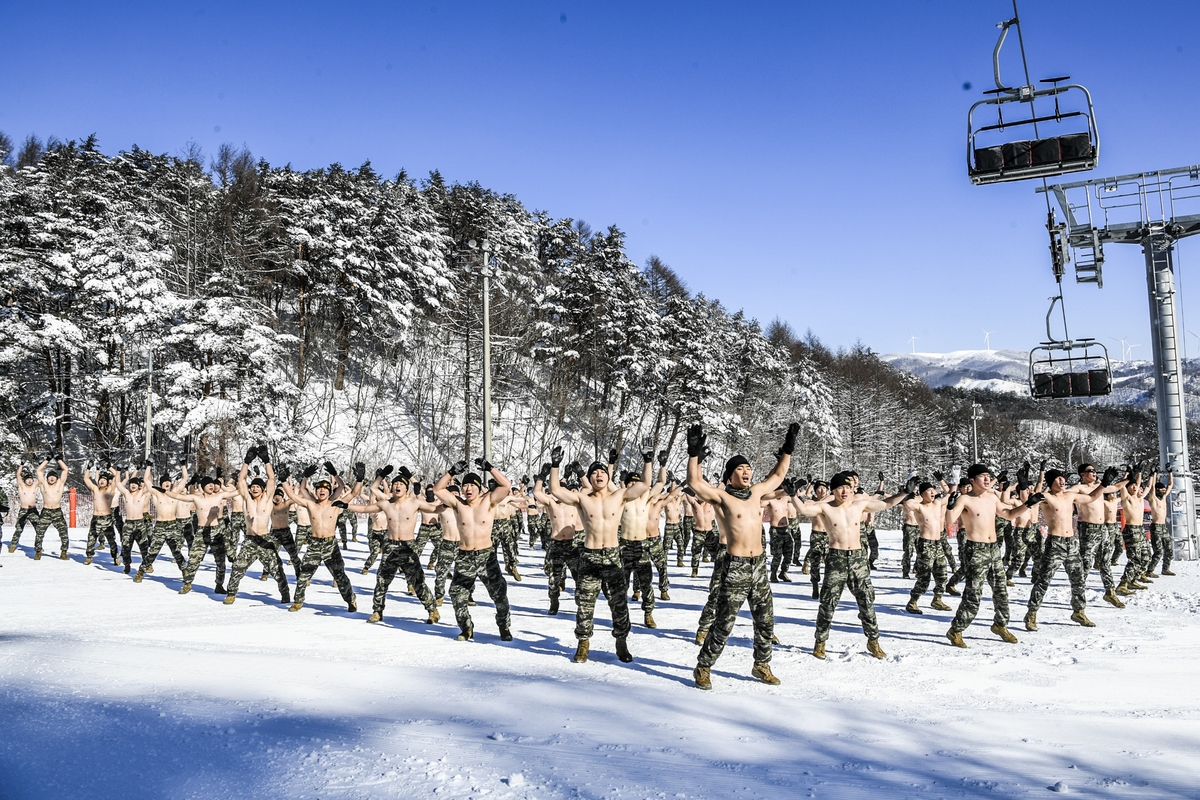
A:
{"x": 1092, "y": 540}
{"x": 910, "y": 534}
{"x": 635, "y": 561}
{"x": 948, "y": 549}
{"x": 797, "y": 541}
{"x": 283, "y": 538}
{"x": 686, "y": 527}
{"x": 170, "y": 533}
{"x": 562, "y": 557}
{"x": 985, "y": 562}
{"x": 235, "y": 528}
{"x": 26, "y": 516}
{"x": 190, "y": 526}
{"x": 658, "y": 557}
{"x": 400, "y": 557}
{"x": 48, "y": 517}
{"x": 481, "y": 564}
{"x": 847, "y": 569}
{"x": 303, "y": 535}
{"x": 1020, "y": 554}
{"x": 962, "y": 557}
{"x": 708, "y": 614}
{"x": 783, "y": 548}
{"x": 704, "y": 543}
{"x": 868, "y": 539}
{"x": 601, "y": 567}
{"x": 744, "y": 580}
{"x": 1062, "y": 550}
{"x": 375, "y": 540}
{"x": 504, "y": 537}
{"x": 347, "y": 524}
{"x": 100, "y": 529}
{"x": 205, "y": 539}
{"x": 443, "y": 560}
{"x": 931, "y": 565}
{"x": 323, "y": 551}
{"x": 1162, "y": 547}
{"x": 1137, "y": 552}
{"x": 1004, "y": 535}
{"x": 136, "y": 530}
{"x": 533, "y": 524}
{"x": 818, "y": 549}
{"x": 673, "y": 540}
{"x": 1116, "y": 543}
{"x": 259, "y": 548}
{"x": 543, "y": 521}
{"x": 427, "y": 534}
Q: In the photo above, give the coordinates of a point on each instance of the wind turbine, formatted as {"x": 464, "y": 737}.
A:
{"x": 1124, "y": 354}
{"x": 913, "y": 341}
{"x": 1131, "y": 348}
{"x": 987, "y": 339}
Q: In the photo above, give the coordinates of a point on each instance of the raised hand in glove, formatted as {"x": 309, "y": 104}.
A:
{"x": 360, "y": 471}
{"x": 556, "y": 456}
{"x": 430, "y": 497}
{"x": 613, "y": 455}
{"x": 662, "y": 458}
{"x": 220, "y": 472}
{"x": 705, "y": 453}
{"x": 1110, "y": 476}
{"x": 457, "y": 468}
{"x": 282, "y": 473}
{"x": 386, "y": 471}
{"x": 647, "y": 457}
{"x": 695, "y": 440}
{"x": 264, "y": 454}
{"x": 953, "y": 501}
{"x": 251, "y": 454}
{"x": 329, "y": 469}
{"x": 939, "y": 476}
{"x": 910, "y": 487}
{"x": 340, "y": 504}
{"x": 1034, "y": 499}
{"x": 484, "y": 464}
{"x": 309, "y": 471}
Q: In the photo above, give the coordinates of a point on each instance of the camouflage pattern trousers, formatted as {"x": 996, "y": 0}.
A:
{"x": 282, "y": 537}
{"x": 303, "y": 534}
{"x": 1093, "y": 541}
{"x": 504, "y": 537}
{"x": 484, "y": 565}
{"x": 323, "y": 551}
{"x": 1162, "y": 547}
{"x": 1004, "y": 535}
{"x": 170, "y": 533}
{"x": 931, "y": 565}
{"x": 136, "y": 530}
{"x": 347, "y": 524}
{"x": 375, "y": 539}
{"x": 961, "y": 571}
{"x": 985, "y": 562}
{"x": 818, "y": 549}
{"x": 1115, "y": 545}
{"x": 673, "y": 540}
{"x": 48, "y": 517}
{"x": 443, "y": 560}
{"x": 1137, "y": 552}
{"x": 704, "y": 543}
{"x": 26, "y": 516}
{"x": 658, "y": 557}
{"x": 635, "y": 561}
{"x": 596, "y": 568}
{"x": 686, "y": 528}
{"x": 233, "y": 531}
{"x": 1058, "y": 550}
{"x": 797, "y": 536}
{"x": 259, "y": 548}
{"x": 427, "y": 534}
{"x": 708, "y": 614}
{"x": 100, "y": 529}
{"x": 909, "y": 534}
{"x": 205, "y": 539}
{"x": 1023, "y": 543}
{"x": 563, "y": 556}
{"x": 868, "y": 540}
{"x": 783, "y": 548}
{"x": 400, "y": 557}
{"x": 847, "y": 569}
{"x": 743, "y": 580}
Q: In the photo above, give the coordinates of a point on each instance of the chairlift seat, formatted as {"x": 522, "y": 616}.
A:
{"x": 1069, "y": 369}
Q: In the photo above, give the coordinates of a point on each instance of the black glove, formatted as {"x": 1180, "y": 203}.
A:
{"x": 613, "y": 455}
{"x": 406, "y": 473}
{"x": 695, "y": 441}
{"x": 543, "y": 473}
{"x": 264, "y": 453}
{"x": 952, "y": 501}
{"x": 282, "y": 474}
{"x": 881, "y": 478}
{"x": 430, "y": 497}
{"x": 648, "y": 457}
{"x": 457, "y": 468}
{"x": 309, "y": 471}
{"x": 379, "y": 473}
{"x": 574, "y": 470}
{"x": 689, "y": 491}
{"x": 911, "y": 486}
{"x": 329, "y": 469}
{"x": 662, "y": 458}
{"x": 1110, "y": 476}
{"x": 340, "y": 504}
{"x": 789, "y": 439}
{"x": 939, "y": 476}
{"x": 1137, "y": 470}
{"x": 220, "y": 473}
{"x": 251, "y": 454}
{"x": 484, "y": 464}
{"x": 1034, "y": 499}
{"x": 705, "y": 453}
{"x": 524, "y": 480}
{"x": 416, "y": 487}
{"x": 1002, "y": 478}
{"x": 386, "y": 471}
{"x": 800, "y": 483}
{"x": 556, "y": 456}
{"x": 360, "y": 471}
{"x": 1042, "y": 466}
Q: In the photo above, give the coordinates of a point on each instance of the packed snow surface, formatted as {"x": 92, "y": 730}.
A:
{"x": 124, "y": 690}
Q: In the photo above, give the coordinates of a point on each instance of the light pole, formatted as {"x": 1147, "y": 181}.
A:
{"x": 976, "y": 415}
{"x": 486, "y": 271}
{"x": 149, "y": 402}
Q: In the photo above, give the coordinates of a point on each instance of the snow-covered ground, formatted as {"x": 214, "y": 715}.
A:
{"x": 123, "y": 690}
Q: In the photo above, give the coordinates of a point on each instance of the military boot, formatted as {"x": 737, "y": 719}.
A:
{"x": 912, "y": 607}
{"x": 63, "y": 556}
{"x": 816, "y": 592}
{"x": 702, "y": 678}
{"x": 285, "y": 597}
{"x": 874, "y": 649}
{"x": 819, "y": 650}
{"x": 187, "y": 587}
{"x": 1004, "y": 634}
{"x": 364, "y": 570}
{"x": 87, "y": 561}
{"x": 701, "y": 635}
{"x": 1167, "y": 572}
{"x": 764, "y": 674}
{"x": 581, "y": 652}
{"x": 465, "y": 636}
{"x": 1123, "y": 589}
{"x": 149, "y": 568}
{"x": 553, "y": 606}
{"x": 695, "y": 572}
{"x": 505, "y": 635}
{"x": 950, "y": 590}
{"x": 434, "y": 616}
{"x": 955, "y": 638}
{"x": 296, "y": 606}
{"x": 774, "y": 576}
{"x": 229, "y": 599}
{"x": 376, "y": 616}
{"x": 265, "y": 575}
{"x": 663, "y": 595}
{"x": 1111, "y": 597}
{"x": 650, "y": 620}
{"x": 139, "y": 576}
{"x": 1082, "y": 619}
{"x": 352, "y": 605}
{"x": 1031, "y": 620}
{"x": 938, "y": 604}
{"x": 637, "y": 595}
{"x": 623, "y": 650}
{"x": 804, "y": 568}
{"x": 516, "y": 575}
{"x": 1147, "y": 575}
{"x": 783, "y": 576}
{"x": 37, "y": 556}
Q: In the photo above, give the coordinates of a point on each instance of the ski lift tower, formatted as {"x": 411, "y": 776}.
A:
{"x": 1154, "y": 210}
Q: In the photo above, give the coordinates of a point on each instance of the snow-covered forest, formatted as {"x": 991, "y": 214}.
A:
{"x": 337, "y": 313}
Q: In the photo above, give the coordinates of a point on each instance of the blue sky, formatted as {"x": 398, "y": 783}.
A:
{"x": 798, "y": 160}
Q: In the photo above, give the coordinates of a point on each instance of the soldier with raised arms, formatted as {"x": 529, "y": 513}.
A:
{"x": 136, "y": 494}
{"x": 1094, "y": 534}
{"x": 324, "y": 513}
{"x": 208, "y": 503}
{"x": 562, "y": 556}
{"x": 101, "y": 527}
{"x": 1160, "y": 535}
{"x": 262, "y": 505}
{"x": 600, "y": 559}
{"x": 52, "y": 483}
{"x": 738, "y": 511}
{"x": 167, "y": 529}
{"x": 635, "y": 549}
{"x": 928, "y": 509}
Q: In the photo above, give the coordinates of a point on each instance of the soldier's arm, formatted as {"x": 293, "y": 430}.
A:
{"x": 560, "y": 493}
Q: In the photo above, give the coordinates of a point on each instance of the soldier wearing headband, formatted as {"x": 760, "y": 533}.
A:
{"x": 208, "y": 503}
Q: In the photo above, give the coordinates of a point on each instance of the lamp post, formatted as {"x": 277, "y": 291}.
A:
{"x": 149, "y": 402}
{"x": 976, "y": 415}
{"x": 485, "y": 248}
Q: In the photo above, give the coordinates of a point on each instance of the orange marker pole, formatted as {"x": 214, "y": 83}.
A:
{"x": 72, "y": 520}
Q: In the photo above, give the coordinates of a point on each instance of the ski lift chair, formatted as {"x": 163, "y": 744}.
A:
{"x": 1077, "y": 368}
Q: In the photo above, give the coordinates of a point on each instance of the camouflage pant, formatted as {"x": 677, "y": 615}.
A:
{"x": 282, "y": 537}
{"x": 443, "y": 560}
{"x": 847, "y": 569}
{"x": 1162, "y": 547}
{"x": 259, "y": 548}
{"x": 931, "y": 564}
{"x": 1004, "y": 535}
{"x": 743, "y": 580}
{"x": 481, "y": 564}
{"x": 235, "y": 528}
{"x": 596, "y": 568}
{"x": 534, "y": 523}
{"x": 782, "y": 549}
{"x": 1062, "y": 550}
{"x": 797, "y": 537}
{"x": 205, "y": 539}
{"x": 635, "y": 561}
{"x": 818, "y": 549}
{"x": 1115, "y": 543}
{"x": 1022, "y": 538}
{"x": 868, "y": 540}
{"x": 303, "y": 535}
{"x": 100, "y": 529}
{"x": 704, "y": 543}
{"x": 563, "y": 556}
{"x": 375, "y": 541}
{"x": 136, "y": 530}
{"x": 427, "y": 534}
{"x": 48, "y": 517}
{"x": 323, "y": 551}
{"x": 948, "y": 549}
{"x": 658, "y": 557}
{"x": 686, "y": 528}
{"x": 1092, "y": 540}
{"x": 673, "y": 540}
{"x": 26, "y": 516}
{"x": 984, "y": 563}
{"x": 400, "y": 557}
{"x": 962, "y": 557}
{"x": 910, "y": 534}
{"x": 347, "y": 523}
{"x": 708, "y": 614}
{"x": 170, "y": 533}
{"x": 504, "y": 537}
{"x": 1137, "y": 552}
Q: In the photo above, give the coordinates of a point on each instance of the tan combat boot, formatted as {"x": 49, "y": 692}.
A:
{"x": 819, "y": 650}
{"x": 63, "y": 557}
{"x": 1031, "y": 620}
{"x": 434, "y": 616}
{"x": 296, "y": 606}
{"x": 1082, "y": 619}
{"x": 364, "y": 570}
{"x": 663, "y": 595}
{"x": 581, "y": 652}
{"x": 375, "y": 617}
{"x": 1168, "y": 572}
{"x": 1123, "y": 589}
{"x": 912, "y": 607}
{"x": 701, "y": 635}
{"x": 229, "y": 598}
{"x": 874, "y": 649}
{"x": 955, "y": 638}
{"x": 937, "y": 604}
{"x": 1111, "y": 598}
{"x": 650, "y": 620}
{"x": 352, "y": 606}
{"x": 702, "y": 678}
{"x": 516, "y": 575}
{"x": 1147, "y": 575}
{"x": 139, "y": 576}
{"x": 187, "y": 587}
{"x": 469, "y": 636}
{"x": 87, "y": 561}
{"x": 1004, "y": 634}
{"x": 764, "y": 674}
{"x": 37, "y": 556}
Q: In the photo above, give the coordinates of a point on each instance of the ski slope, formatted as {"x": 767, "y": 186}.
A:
{"x": 123, "y": 690}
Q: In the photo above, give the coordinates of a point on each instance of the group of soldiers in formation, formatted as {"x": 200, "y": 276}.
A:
{"x": 606, "y": 532}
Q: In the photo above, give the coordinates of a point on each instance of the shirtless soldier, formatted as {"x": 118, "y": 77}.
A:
{"x": 705, "y": 539}
{"x": 324, "y": 513}
{"x": 929, "y": 511}
{"x": 52, "y": 485}
{"x": 27, "y": 494}
{"x": 1062, "y": 546}
{"x": 738, "y": 512}
{"x": 635, "y": 550}
{"x": 101, "y": 527}
{"x": 1160, "y": 535}
{"x": 818, "y": 540}
{"x": 782, "y": 545}
{"x": 1093, "y": 532}
{"x": 137, "y": 515}
{"x": 1137, "y": 549}
{"x": 562, "y": 555}
{"x": 474, "y": 512}
{"x": 263, "y": 512}
{"x": 846, "y": 560}
{"x": 167, "y": 529}
{"x": 208, "y": 504}
{"x": 600, "y": 560}
{"x": 655, "y": 539}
